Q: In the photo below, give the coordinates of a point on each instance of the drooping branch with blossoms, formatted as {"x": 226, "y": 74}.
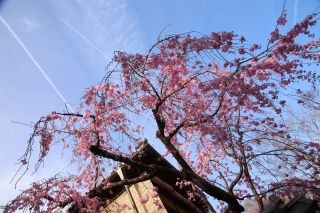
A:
{"x": 217, "y": 103}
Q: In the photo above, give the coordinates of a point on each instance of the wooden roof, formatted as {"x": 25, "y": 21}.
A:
{"x": 147, "y": 154}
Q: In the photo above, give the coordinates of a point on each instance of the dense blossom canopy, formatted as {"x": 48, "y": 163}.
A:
{"x": 218, "y": 104}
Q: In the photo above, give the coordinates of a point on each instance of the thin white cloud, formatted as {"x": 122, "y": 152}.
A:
{"x": 295, "y": 17}
{"x": 34, "y": 61}
{"x": 84, "y": 38}
{"x": 29, "y": 25}
{"x": 107, "y": 26}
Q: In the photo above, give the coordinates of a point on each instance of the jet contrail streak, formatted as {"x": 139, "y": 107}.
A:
{"x": 3, "y": 21}
{"x": 295, "y": 11}
{"x": 83, "y": 37}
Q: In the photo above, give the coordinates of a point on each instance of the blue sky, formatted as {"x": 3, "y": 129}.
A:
{"x": 73, "y": 41}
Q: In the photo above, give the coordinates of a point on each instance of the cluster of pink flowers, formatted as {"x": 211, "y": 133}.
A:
{"x": 144, "y": 199}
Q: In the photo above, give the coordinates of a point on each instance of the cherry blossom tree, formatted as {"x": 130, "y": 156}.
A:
{"x": 217, "y": 103}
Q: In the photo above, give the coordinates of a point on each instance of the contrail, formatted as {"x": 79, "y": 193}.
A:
{"x": 295, "y": 11}
{"x": 83, "y": 37}
{"x": 35, "y": 63}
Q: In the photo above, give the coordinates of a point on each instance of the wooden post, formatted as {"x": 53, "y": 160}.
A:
{"x": 122, "y": 177}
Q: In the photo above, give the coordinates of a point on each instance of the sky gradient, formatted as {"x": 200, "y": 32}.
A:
{"x": 66, "y": 46}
